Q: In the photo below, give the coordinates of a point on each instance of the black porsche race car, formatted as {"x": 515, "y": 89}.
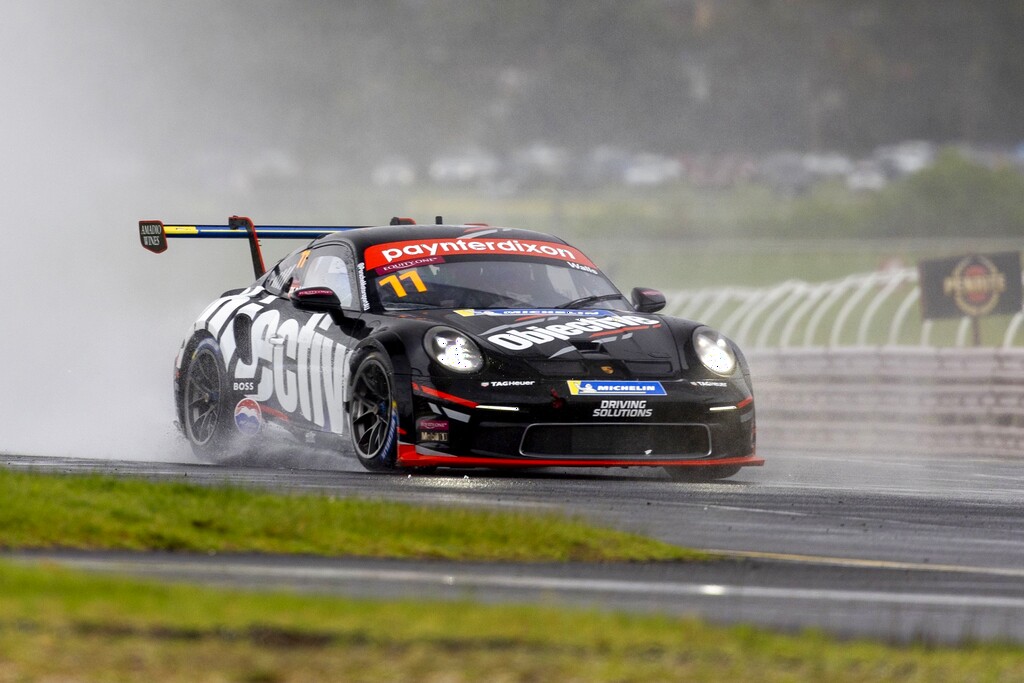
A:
{"x": 428, "y": 346}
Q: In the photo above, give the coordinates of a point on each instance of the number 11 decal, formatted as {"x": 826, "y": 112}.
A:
{"x": 409, "y": 275}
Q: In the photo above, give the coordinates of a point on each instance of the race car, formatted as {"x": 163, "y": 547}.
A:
{"x": 424, "y": 346}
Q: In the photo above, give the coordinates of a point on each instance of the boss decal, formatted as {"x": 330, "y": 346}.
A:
{"x": 520, "y": 339}
{"x": 617, "y": 408}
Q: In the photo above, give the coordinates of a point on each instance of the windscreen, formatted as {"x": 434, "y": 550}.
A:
{"x": 493, "y": 282}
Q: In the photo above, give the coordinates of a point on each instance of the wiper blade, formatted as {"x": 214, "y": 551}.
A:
{"x": 582, "y": 301}
{"x": 409, "y": 307}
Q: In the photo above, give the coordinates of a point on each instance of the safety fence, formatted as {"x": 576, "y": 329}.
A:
{"x": 893, "y": 400}
{"x": 880, "y": 308}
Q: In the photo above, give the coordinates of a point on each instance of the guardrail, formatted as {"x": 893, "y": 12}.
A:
{"x": 880, "y": 308}
{"x": 892, "y": 401}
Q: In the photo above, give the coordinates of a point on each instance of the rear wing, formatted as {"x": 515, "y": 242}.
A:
{"x": 154, "y": 235}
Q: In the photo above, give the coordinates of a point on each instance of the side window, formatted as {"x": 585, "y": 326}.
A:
{"x": 280, "y": 275}
{"x": 331, "y": 266}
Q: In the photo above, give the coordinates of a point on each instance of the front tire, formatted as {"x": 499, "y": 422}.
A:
{"x": 373, "y": 413}
{"x": 207, "y": 415}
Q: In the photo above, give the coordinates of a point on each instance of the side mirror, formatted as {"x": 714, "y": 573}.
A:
{"x": 647, "y": 300}
{"x": 316, "y": 299}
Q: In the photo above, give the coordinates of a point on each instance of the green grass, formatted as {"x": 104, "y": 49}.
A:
{"x": 57, "y": 624}
{"x": 62, "y": 625}
{"x": 94, "y": 512}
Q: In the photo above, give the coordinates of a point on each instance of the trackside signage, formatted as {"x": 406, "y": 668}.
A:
{"x": 974, "y": 286}
{"x": 381, "y": 255}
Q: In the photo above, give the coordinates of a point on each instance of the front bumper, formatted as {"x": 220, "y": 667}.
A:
{"x": 549, "y": 423}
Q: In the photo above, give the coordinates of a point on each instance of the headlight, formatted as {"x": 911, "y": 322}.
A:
{"x": 453, "y": 349}
{"x": 714, "y": 351}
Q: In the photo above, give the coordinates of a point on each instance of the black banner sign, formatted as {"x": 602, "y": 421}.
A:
{"x": 975, "y": 285}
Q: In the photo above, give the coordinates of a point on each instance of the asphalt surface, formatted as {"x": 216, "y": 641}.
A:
{"x": 901, "y": 549}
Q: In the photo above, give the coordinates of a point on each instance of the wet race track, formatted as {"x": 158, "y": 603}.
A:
{"x": 855, "y": 544}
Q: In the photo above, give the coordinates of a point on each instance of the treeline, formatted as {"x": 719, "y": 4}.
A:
{"x": 685, "y": 75}
{"x": 367, "y": 78}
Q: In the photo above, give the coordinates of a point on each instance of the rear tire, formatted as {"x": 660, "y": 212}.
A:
{"x": 373, "y": 413}
{"x": 207, "y": 414}
{"x": 696, "y": 475}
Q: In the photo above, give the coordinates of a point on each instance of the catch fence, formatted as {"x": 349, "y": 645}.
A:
{"x": 881, "y": 308}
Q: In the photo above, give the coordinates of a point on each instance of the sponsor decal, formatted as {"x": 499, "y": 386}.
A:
{"x": 248, "y": 417}
{"x": 498, "y": 384}
{"x": 615, "y": 388}
{"x": 618, "y": 408}
{"x": 432, "y": 429}
{"x": 151, "y": 233}
{"x": 380, "y": 255}
{"x": 524, "y": 338}
{"x": 415, "y": 263}
{"x": 362, "y": 286}
{"x": 304, "y": 372}
{"x": 577, "y": 266}
{"x": 708, "y": 383}
{"x": 392, "y": 429}
{"x": 434, "y": 437}
{"x": 527, "y": 312}
{"x": 245, "y": 387}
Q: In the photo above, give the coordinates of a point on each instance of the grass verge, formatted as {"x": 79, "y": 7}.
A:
{"x": 95, "y": 512}
{"x": 62, "y": 625}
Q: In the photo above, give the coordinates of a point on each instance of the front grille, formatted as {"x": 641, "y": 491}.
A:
{"x": 645, "y": 368}
{"x": 616, "y": 440}
{"x": 560, "y": 368}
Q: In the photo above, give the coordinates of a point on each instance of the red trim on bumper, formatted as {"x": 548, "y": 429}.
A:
{"x": 434, "y": 393}
{"x": 409, "y": 456}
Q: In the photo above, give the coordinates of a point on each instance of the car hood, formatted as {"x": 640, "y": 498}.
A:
{"x": 559, "y": 341}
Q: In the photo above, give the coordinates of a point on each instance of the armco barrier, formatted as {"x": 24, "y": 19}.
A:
{"x": 891, "y": 400}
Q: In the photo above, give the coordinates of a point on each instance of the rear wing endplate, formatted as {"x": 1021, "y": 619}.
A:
{"x": 154, "y": 235}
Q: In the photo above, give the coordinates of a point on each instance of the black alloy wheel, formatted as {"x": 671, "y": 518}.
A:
{"x": 373, "y": 416}
{"x": 207, "y": 422}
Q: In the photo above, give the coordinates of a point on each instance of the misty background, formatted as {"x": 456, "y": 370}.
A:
{"x": 317, "y": 111}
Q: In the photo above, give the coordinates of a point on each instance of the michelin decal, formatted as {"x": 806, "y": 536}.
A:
{"x": 615, "y": 388}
